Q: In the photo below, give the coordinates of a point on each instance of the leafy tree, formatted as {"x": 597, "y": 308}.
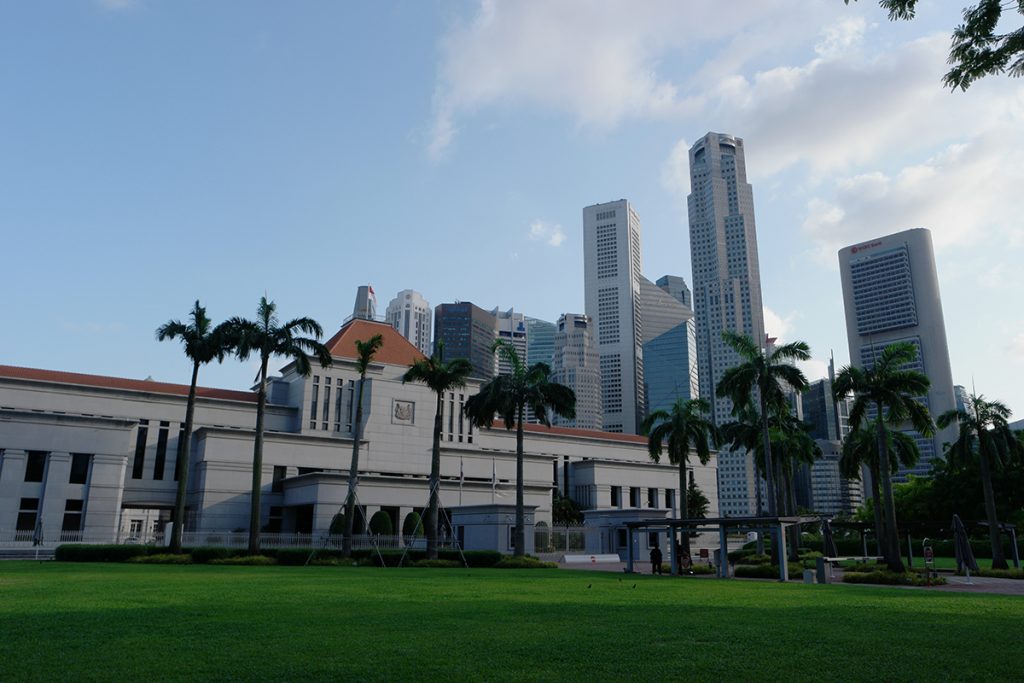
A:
{"x": 860, "y": 450}
{"x": 985, "y": 434}
{"x": 889, "y": 390}
{"x": 509, "y": 396}
{"x": 203, "y": 343}
{"x": 977, "y": 49}
{"x": 365, "y": 351}
{"x": 441, "y": 377}
{"x": 682, "y": 429}
{"x": 766, "y": 374}
{"x": 564, "y": 510}
{"x": 265, "y": 337}
{"x": 697, "y": 504}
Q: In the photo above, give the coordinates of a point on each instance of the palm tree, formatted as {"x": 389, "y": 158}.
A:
{"x": 983, "y": 430}
{"x": 509, "y": 396}
{"x": 266, "y": 337}
{"x": 888, "y": 390}
{"x": 202, "y": 345}
{"x": 441, "y": 377}
{"x": 684, "y": 428}
{"x": 860, "y": 450}
{"x": 768, "y": 373}
{"x": 365, "y": 351}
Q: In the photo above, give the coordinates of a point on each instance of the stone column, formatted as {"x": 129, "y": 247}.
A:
{"x": 12, "y": 476}
{"x": 55, "y": 493}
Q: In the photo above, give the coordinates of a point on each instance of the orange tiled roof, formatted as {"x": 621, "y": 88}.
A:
{"x": 150, "y": 386}
{"x": 396, "y": 350}
{"x": 585, "y": 433}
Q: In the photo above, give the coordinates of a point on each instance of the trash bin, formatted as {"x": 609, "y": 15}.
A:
{"x": 809, "y": 576}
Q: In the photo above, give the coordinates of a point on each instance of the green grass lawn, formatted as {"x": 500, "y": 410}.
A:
{"x": 112, "y": 622}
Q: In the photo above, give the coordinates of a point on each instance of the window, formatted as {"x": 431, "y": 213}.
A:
{"x": 275, "y": 519}
{"x": 35, "y": 466}
{"x": 634, "y": 496}
{"x": 620, "y": 536}
{"x": 670, "y": 499}
{"x": 616, "y": 496}
{"x": 181, "y": 452}
{"x": 316, "y": 398}
{"x": 652, "y": 498}
{"x": 73, "y": 515}
{"x": 280, "y": 472}
{"x": 652, "y": 539}
{"x": 79, "y": 468}
{"x": 140, "y": 450}
{"x": 27, "y": 512}
{"x": 327, "y": 404}
{"x": 161, "y": 451}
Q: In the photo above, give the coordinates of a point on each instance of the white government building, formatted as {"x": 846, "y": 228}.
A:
{"x": 92, "y": 458}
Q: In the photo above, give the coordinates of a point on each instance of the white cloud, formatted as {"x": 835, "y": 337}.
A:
{"x": 776, "y": 325}
{"x": 551, "y": 234}
{"x": 813, "y": 369}
{"x": 968, "y": 193}
{"x": 599, "y": 61}
{"x": 675, "y": 171}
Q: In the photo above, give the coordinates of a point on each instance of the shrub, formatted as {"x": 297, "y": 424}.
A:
{"x": 380, "y": 524}
{"x": 736, "y": 555}
{"x": 885, "y": 577}
{"x": 438, "y": 564}
{"x": 163, "y": 558}
{"x": 524, "y": 563}
{"x": 703, "y": 569}
{"x": 754, "y": 558}
{"x": 205, "y": 555}
{"x": 246, "y": 560}
{"x": 413, "y": 525}
{"x": 1002, "y": 573}
{"x": 100, "y": 553}
{"x": 300, "y": 556}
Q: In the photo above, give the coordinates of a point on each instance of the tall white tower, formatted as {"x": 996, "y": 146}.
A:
{"x": 611, "y": 266}
{"x": 726, "y": 290}
{"x": 410, "y": 314}
{"x": 891, "y": 294}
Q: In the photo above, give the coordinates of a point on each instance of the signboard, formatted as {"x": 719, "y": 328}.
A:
{"x": 703, "y": 553}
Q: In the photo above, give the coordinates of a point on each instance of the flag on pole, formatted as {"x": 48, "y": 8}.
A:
{"x": 494, "y": 480}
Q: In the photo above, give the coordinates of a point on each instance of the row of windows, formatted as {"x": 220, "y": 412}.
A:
{"x": 35, "y": 467}
{"x": 28, "y": 515}
{"x": 602, "y": 215}
{"x": 160, "y": 463}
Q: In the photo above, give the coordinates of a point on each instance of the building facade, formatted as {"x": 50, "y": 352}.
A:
{"x": 410, "y": 314}
{"x": 577, "y": 365}
{"x": 612, "y": 266}
{"x": 891, "y": 294}
{"x": 670, "y": 343}
{"x": 467, "y": 331}
{"x": 726, "y": 289}
{"x": 540, "y": 341}
{"x": 511, "y": 327}
{"x": 84, "y": 456}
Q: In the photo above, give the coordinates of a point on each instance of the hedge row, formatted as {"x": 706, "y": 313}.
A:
{"x": 285, "y": 556}
{"x": 766, "y": 571}
{"x": 888, "y": 578}
{"x": 982, "y": 547}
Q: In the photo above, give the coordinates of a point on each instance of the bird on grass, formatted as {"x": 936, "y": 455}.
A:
{"x": 589, "y": 585}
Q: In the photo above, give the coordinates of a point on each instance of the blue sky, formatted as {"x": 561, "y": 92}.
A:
{"x": 154, "y": 152}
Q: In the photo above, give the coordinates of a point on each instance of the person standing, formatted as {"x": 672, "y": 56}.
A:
{"x": 656, "y": 560}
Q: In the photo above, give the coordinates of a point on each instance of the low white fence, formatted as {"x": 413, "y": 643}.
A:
{"x": 16, "y": 538}
{"x": 557, "y": 539}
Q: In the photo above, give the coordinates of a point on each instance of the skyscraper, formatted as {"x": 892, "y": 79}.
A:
{"x": 540, "y": 341}
{"x": 410, "y": 314}
{"x": 669, "y": 343}
{"x": 726, "y": 290}
{"x": 611, "y": 267}
{"x": 366, "y": 303}
{"x": 511, "y": 327}
{"x": 468, "y": 332}
{"x": 723, "y": 249}
{"x": 577, "y": 365}
{"x": 891, "y": 294}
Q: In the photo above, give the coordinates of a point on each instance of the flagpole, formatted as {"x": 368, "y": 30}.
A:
{"x": 462, "y": 478}
{"x": 494, "y": 480}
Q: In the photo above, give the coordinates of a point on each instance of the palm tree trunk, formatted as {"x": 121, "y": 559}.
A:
{"x": 353, "y": 474}
{"x": 684, "y": 505}
{"x": 998, "y": 559}
{"x": 760, "y": 506}
{"x": 769, "y": 472}
{"x": 257, "y": 463}
{"x": 891, "y": 541}
{"x": 791, "y": 495}
{"x": 183, "y": 460}
{"x": 435, "y": 477}
{"x": 876, "y": 503}
{"x": 520, "y": 533}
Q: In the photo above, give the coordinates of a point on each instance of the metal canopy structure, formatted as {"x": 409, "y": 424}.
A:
{"x": 724, "y": 525}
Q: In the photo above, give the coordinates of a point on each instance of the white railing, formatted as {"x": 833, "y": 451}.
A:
{"x": 15, "y": 538}
{"x": 561, "y": 538}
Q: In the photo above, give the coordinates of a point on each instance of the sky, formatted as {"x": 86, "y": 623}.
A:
{"x": 155, "y": 152}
